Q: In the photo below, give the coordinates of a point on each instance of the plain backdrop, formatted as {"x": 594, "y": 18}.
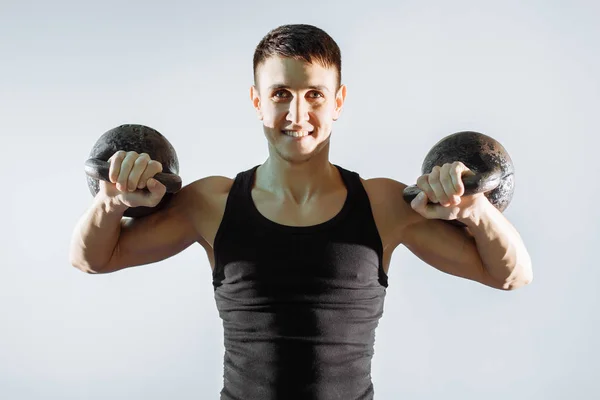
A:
{"x": 525, "y": 73}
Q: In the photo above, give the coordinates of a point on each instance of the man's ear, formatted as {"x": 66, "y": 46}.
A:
{"x": 340, "y": 98}
{"x": 256, "y": 101}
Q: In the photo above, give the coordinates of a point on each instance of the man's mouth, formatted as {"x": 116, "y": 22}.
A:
{"x": 296, "y": 134}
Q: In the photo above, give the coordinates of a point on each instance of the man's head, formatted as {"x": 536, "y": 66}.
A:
{"x": 299, "y": 42}
{"x": 297, "y": 90}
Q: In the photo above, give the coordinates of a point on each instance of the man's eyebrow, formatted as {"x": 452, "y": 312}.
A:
{"x": 319, "y": 87}
{"x": 314, "y": 87}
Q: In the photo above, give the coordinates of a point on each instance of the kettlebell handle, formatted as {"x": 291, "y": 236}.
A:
{"x": 99, "y": 169}
{"x": 478, "y": 183}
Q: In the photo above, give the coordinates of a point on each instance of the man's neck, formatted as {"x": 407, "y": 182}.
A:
{"x": 298, "y": 182}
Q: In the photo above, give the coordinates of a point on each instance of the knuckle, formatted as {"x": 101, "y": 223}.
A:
{"x": 113, "y": 165}
{"x": 157, "y": 166}
{"x": 141, "y": 160}
{"x": 127, "y": 162}
{"x": 430, "y": 193}
{"x": 115, "y": 160}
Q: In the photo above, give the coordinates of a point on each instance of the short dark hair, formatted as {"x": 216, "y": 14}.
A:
{"x": 300, "y": 42}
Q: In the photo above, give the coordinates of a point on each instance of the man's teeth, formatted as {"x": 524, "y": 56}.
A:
{"x": 296, "y": 133}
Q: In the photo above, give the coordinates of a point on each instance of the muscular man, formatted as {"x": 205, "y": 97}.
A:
{"x": 299, "y": 247}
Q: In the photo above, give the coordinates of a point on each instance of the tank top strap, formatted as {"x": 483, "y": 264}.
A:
{"x": 243, "y": 182}
{"x": 355, "y": 188}
{"x": 364, "y": 210}
{"x": 236, "y": 210}
{"x": 240, "y": 193}
{"x": 351, "y": 179}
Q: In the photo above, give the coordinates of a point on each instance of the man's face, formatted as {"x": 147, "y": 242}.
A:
{"x": 297, "y": 103}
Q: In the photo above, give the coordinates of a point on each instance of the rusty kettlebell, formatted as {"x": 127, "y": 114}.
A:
{"x": 485, "y": 156}
{"x": 141, "y": 139}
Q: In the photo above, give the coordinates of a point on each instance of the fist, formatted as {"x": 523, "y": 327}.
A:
{"x": 130, "y": 173}
{"x": 444, "y": 187}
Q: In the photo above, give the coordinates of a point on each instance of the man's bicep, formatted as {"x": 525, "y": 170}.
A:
{"x": 447, "y": 248}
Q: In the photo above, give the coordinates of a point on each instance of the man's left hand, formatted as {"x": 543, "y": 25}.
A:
{"x": 444, "y": 187}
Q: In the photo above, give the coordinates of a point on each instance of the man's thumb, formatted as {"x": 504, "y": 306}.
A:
{"x": 156, "y": 188}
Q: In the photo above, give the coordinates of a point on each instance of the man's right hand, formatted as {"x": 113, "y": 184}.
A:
{"x": 130, "y": 174}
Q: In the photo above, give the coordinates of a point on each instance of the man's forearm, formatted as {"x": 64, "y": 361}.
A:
{"x": 500, "y": 246}
{"x": 96, "y": 235}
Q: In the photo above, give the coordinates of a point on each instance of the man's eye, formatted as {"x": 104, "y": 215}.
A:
{"x": 315, "y": 95}
{"x": 281, "y": 94}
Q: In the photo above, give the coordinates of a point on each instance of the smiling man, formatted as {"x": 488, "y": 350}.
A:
{"x": 299, "y": 247}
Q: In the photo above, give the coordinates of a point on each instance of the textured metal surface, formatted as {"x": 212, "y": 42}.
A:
{"x": 480, "y": 153}
{"x": 141, "y": 139}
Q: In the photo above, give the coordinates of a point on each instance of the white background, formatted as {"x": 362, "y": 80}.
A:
{"x": 525, "y": 73}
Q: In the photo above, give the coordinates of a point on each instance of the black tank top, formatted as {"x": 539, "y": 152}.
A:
{"x": 299, "y": 304}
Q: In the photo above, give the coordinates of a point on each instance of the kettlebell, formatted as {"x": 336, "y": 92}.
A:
{"x": 141, "y": 139}
{"x": 482, "y": 154}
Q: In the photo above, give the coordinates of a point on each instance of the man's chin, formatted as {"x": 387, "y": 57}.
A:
{"x": 298, "y": 155}
{"x": 296, "y": 158}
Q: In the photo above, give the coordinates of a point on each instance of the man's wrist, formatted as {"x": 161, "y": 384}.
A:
{"x": 110, "y": 205}
{"x": 472, "y": 217}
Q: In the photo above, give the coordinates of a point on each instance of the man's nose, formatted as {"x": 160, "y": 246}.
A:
{"x": 298, "y": 111}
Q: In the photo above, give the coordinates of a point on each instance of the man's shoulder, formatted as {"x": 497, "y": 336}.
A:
{"x": 210, "y": 190}
{"x": 215, "y": 185}
{"x": 390, "y": 211}
{"x": 205, "y": 204}
{"x": 383, "y": 189}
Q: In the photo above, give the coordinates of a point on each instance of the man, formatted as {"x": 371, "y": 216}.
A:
{"x": 299, "y": 247}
